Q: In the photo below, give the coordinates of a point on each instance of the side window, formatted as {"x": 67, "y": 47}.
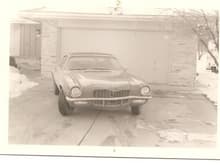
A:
{"x": 63, "y": 60}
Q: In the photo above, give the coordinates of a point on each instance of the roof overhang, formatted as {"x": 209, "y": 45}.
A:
{"x": 42, "y": 15}
{"x": 20, "y": 20}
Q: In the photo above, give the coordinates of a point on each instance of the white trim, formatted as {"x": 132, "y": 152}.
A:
{"x": 88, "y": 16}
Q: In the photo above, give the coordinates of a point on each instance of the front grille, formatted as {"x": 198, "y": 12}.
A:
{"x": 110, "y": 102}
{"x": 104, "y": 93}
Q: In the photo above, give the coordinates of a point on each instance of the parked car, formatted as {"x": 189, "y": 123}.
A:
{"x": 97, "y": 80}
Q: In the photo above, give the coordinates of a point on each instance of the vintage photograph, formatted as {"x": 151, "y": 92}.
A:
{"x": 114, "y": 76}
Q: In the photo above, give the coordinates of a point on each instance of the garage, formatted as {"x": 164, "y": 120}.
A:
{"x": 143, "y": 53}
{"x": 159, "y": 49}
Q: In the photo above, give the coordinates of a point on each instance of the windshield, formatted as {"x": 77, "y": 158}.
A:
{"x": 93, "y": 63}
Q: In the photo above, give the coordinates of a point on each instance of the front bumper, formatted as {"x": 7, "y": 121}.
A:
{"x": 114, "y": 102}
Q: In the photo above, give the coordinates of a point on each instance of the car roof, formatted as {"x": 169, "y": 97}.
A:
{"x": 90, "y": 54}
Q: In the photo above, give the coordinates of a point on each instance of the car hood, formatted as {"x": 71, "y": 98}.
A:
{"x": 108, "y": 79}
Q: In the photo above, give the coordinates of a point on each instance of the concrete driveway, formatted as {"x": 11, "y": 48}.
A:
{"x": 169, "y": 119}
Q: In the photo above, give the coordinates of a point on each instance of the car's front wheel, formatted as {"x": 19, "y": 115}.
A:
{"x": 64, "y": 107}
{"x": 135, "y": 110}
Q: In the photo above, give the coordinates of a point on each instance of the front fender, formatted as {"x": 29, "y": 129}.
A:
{"x": 136, "y": 85}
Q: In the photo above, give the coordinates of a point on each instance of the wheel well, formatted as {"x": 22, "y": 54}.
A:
{"x": 59, "y": 86}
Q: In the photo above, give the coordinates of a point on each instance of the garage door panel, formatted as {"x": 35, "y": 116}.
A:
{"x": 145, "y": 54}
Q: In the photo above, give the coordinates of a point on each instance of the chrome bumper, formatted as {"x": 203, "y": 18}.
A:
{"x": 114, "y": 102}
{"x": 113, "y": 98}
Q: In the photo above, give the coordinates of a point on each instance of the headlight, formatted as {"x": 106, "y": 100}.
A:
{"x": 145, "y": 90}
{"x": 75, "y": 92}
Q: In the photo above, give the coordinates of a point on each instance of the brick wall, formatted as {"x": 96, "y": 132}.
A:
{"x": 49, "y": 40}
{"x": 182, "y": 71}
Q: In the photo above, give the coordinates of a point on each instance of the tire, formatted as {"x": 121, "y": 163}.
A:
{"x": 135, "y": 110}
{"x": 64, "y": 107}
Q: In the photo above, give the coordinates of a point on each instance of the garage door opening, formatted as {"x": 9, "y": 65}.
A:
{"x": 143, "y": 53}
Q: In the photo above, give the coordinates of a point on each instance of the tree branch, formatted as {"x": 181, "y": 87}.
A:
{"x": 202, "y": 41}
{"x": 217, "y": 29}
{"x": 210, "y": 31}
{"x": 210, "y": 53}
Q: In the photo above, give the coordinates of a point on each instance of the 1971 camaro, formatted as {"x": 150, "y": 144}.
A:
{"x": 97, "y": 80}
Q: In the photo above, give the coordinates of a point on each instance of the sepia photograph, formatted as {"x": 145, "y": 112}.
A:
{"x": 115, "y": 74}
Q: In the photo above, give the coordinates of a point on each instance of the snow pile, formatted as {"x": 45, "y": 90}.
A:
{"x": 202, "y": 64}
{"x": 208, "y": 84}
{"x": 19, "y": 83}
{"x": 29, "y": 64}
{"x": 207, "y": 80}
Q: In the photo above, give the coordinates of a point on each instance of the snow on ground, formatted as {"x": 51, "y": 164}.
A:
{"x": 173, "y": 135}
{"x": 29, "y": 64}
{"x": 208, "y": 85}
{"x": 19, "y": 83}
{"x": 179, "y": 136}
{"x": 207, "y": 81}
{"x": 201, "y": 137}
{"x": 141, "y": 124}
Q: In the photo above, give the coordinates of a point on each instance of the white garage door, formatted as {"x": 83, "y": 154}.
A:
{"x": 144, "y": 54}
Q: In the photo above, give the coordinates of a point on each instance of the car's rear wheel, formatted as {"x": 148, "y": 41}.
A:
{"x": 135, "y": 110}
{"x": 64, "y": 107}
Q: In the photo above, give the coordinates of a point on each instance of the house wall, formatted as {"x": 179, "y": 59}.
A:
{"x": 172, "y": 57}
{"x": 15, "y": 40}
{"x": 25, "y": 40}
